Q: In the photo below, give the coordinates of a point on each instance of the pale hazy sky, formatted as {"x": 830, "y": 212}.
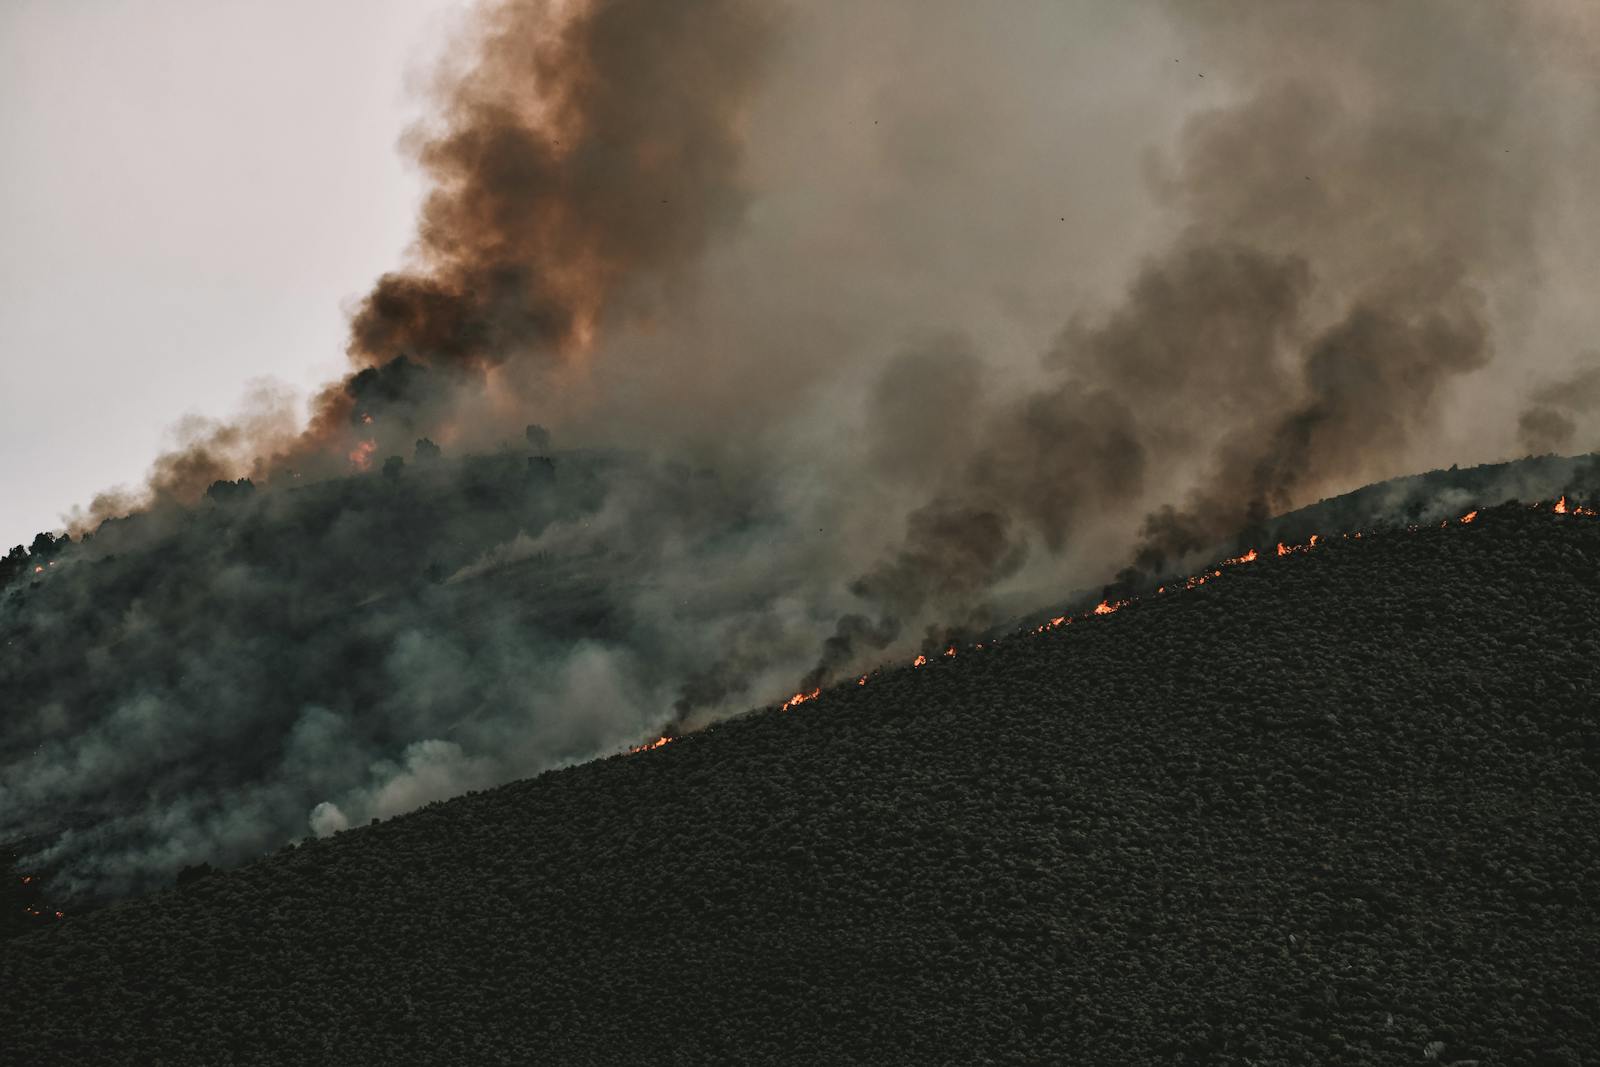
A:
{"x": 190, "y": 192}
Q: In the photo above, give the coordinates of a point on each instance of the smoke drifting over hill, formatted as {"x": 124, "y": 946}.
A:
{"x": 902, "y": 320}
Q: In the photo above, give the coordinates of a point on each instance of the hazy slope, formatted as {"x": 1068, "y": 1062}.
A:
{"x": 206, "y": 684}
{"x": 1330, "y": 807}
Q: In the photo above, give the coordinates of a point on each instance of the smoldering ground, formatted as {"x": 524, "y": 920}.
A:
{"x": 898, "y": 320}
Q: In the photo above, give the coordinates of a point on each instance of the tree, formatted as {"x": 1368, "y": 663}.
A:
{"x": 46, "y": 546}
{"x": 538, "y": 437}
{"x": 14, "y": 563}
{"x": 392, "y": 467}
{"x": 426, "y": 451}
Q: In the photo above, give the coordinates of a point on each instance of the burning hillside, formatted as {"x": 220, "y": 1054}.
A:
{"x": 1286, "y": 816}
{"x": 363, "y": 646}
{"x": 856, "y": 346}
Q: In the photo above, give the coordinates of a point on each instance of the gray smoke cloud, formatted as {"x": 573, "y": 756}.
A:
{"x": 1550, "y": 421}
{"x": 858, "y": 328}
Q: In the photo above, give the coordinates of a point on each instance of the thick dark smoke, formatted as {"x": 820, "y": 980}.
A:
{"x": 581, "y": 158}
{"x": 575, "y": 159}
{"x": 1349, "y": 220}
{"x": 856, "y": 328}
{"x": 1551, "y": 420}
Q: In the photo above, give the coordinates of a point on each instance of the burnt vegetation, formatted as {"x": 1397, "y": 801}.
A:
{"x": 1333, "y": 807}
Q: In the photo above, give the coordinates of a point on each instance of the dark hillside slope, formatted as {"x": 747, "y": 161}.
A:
{"x": 1336, "y": 807}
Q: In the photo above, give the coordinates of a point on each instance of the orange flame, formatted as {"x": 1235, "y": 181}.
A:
{"x": 657, "y": 743}
{"x": 1561, "y": 505}
{"x": 801, "y": 698}
{"x": 1106, "y": 607}
{"x": 361, "y": 455}
{"x": 919, "y": 661}
{"x": 861, "y": 680}
{"x": 1283, "y": 550}
{"x": 1469, "y": 516}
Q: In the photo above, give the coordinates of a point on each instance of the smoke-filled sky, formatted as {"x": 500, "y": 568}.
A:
{"x": 871, "y": 325}
{"x": 189, "y": 192}
{"x": 195, "y": 195}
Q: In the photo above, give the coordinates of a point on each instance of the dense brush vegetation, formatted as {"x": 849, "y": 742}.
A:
{"x": 1336, "y": 807}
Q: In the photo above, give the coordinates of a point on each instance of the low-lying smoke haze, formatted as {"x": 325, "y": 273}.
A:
{"x": 856, "y": 329}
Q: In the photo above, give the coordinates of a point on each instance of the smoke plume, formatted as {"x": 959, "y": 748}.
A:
{"x": 855, "y": 328}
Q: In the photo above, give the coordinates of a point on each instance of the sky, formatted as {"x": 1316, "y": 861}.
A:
{"x": 191, "y": 194}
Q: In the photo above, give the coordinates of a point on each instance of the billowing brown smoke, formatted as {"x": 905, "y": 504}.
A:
{"x": 581, "y": 157}
{"x": 579, "y": 160}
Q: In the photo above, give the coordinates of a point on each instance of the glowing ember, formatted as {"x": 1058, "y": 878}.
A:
{"x": 38, "y": 570}
{"x": 1469, "y": 516}
{"x": 950, "y": 653}
{"x": 361, "y": 455}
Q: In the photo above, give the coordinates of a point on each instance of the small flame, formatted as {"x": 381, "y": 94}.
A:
{"x": 919, "y": 661}
{"x": 1469, "y": 516}
{"x": 861, "y": 680}
{"x": 657, "y": 743}
{"x": 1248, "y": 557}
{"x": 800, "y": 698}
{"x": 950, "y": 653}
{"x": 1283, "y": 549}
{"x": 1105, "y": 607}
{"x": 1561, "y": 505}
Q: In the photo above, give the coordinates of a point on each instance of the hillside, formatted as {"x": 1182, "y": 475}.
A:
{"x": 1331, "y": 807}
{"x": 196, "y": 685}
